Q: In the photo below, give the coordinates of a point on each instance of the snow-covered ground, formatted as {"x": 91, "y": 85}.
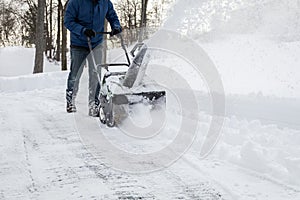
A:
{"x": 17, "y": 61}
{"x": 255, "y": 47}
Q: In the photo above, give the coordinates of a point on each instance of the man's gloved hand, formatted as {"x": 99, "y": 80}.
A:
{"x": 89, "y": 33}
{"x": 116, "y": 31}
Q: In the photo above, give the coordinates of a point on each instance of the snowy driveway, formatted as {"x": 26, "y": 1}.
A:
{"x": 42, "y": 157}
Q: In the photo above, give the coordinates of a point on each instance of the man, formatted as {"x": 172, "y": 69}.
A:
{"x": 84, "y": 18}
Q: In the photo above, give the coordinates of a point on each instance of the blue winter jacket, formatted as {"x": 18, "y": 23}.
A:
{"x": 85, "y": 14}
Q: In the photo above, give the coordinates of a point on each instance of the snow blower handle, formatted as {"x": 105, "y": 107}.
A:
{"x": 124, "y": 48}
{"x": 105, "y": 32}
{"x": 94, "y": 60}
{"x": 91, "y": 51}
{"x": 122, "y": 43}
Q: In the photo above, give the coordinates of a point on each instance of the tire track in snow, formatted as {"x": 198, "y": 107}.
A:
{"x": 32, "y": 188}
{"x": 236, "y": 171}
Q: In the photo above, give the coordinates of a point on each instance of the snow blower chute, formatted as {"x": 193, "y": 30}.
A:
{"x": 130, "y": 86}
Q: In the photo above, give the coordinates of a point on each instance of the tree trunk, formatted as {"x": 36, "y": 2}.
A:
{"x": 59, "y": 24}
{"x": 47, "y": 31}
{"x": 143, "y": 20}
{"x": 64, "y": 43}
{"x": 144, "y": 13}
{"x": 50, "y": 30}
{"x": 39, "y": 41}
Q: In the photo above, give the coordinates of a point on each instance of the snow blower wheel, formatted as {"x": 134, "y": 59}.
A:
{"x": 106, "y": 115}
{"x": 102, "y": 115}
{"x": 110, "y": 121}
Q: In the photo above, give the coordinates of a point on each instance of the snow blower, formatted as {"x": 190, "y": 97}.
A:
{"x": 127, "y": 87}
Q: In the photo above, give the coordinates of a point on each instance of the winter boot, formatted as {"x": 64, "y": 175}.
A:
{"x": 71, "y": 107}
{"x": 70, "y": 102}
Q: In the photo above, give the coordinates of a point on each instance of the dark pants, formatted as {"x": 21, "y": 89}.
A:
{"x": 78, "y": 60}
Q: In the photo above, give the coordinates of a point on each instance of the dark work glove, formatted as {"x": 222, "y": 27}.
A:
{"x": 116, "y": 31}
{"x": 89, "y": 33}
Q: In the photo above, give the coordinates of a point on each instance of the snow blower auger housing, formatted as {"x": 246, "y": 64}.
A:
{"x": 125, "y": 87}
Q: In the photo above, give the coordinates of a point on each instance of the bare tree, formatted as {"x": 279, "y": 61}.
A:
{"x": 135, "y": 15}
{"x": 64, "y": 42}
{"x": 144, "y": 13}
{"x": 49, "y": 25}
{"x": 128, "y": 13}
{"x": 7, "y": 23}
{"x": 58, "y": 34}
{"x": 28, "y": 22}
{"x": 39, "y": 41}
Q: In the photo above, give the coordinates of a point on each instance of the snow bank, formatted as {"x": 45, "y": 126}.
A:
{"x": 266, "y": 149}
{"x": 33, "y": 82}
{"x": 16, "y": 67}
{"x": 17, "y": 61}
